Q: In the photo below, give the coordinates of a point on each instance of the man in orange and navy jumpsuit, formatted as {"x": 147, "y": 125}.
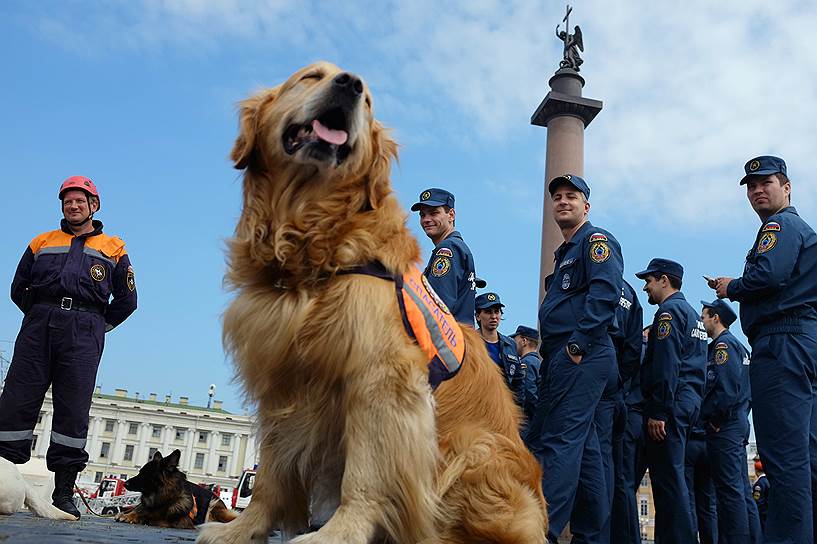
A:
{"x": 63, "y": 285}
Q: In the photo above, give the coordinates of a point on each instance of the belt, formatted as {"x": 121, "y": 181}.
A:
{"x": 69, "y": 303}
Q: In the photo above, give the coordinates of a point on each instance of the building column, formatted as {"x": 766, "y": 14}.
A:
{"x": 141, "y": 451}
{"x": 211, "y": 463}
{"x": 44, "y": 440}
{"x": 166, "y": 439}
{"x": 118, "y": 448}
{"x": 236, "y": 465}
{"x": 187, "y": 454}
{"x": 249, "y": 456}
{"x": 93, "y": 448}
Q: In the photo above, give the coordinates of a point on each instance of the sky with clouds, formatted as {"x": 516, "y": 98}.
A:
{"x": 141, "y": 97}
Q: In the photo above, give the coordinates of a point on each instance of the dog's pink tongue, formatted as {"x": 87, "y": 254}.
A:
{"x": 337, "y": 137}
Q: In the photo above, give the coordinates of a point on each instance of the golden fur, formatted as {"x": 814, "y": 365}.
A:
{"x": 344, "y": 405}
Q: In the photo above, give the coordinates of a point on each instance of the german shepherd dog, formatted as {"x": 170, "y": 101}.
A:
{"x": 169, "y": 500}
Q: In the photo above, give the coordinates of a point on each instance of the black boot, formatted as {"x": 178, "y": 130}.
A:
{"x": 63, "y": 495}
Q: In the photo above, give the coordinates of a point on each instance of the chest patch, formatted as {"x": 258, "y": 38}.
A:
{"x": 566, "y": 281}
{"x": 98, "y": 272}
{"x": 130, "y": 281}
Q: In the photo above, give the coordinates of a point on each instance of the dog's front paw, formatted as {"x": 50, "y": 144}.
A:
{"x": 126, "y": 517}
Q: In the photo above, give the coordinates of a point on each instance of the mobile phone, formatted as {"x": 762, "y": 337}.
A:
{"x": 710, "y": 278}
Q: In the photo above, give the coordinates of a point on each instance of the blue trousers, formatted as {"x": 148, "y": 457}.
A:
{"x": 61, "y": 348}
{"x": 628, "y": 457}
{"x": 783, "y": 375}
{"x": 568, "y": 449}
{"x": 665, "y": 459}
{"x": 703, "y": 505}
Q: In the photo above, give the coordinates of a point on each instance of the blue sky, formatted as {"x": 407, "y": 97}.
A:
{"x": 141, "y": 97}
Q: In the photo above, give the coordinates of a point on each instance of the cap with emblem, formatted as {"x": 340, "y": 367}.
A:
{"x": 527, "y": 332}
{"x": 488, "y": 300}
{"x": 434, "y": 197}
{"x": 662, "y": 266}
{"x": 724, "y": 311}
{"x": 569, "y": 179}
{"x": 765, "y": 165}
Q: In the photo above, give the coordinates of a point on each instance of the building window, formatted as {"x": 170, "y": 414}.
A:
{"x": 157, "y": 431}
{"x": 109, "y": 425}
{"x": 180, "y": 433}
{"x": 645, "y": 507}
{"x": 97, "y": 477}
{"x": 151, "y": 453}
{"x": 202, "y": 437}
{"x": 199, "y": 461}
{"x": 645, "y": 481}
{"x": 222, "y": 463}
{"x": 123, "y": 476}
{"x": 33, "y": 442}
{"x": 225, "y": 439}
{"x": 128, "y": 452}
{"x": 104, "y": 450}
{"x": 133, "y": 428}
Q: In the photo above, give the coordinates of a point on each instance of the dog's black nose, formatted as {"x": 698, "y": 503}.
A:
{"x": 349, "y": 83}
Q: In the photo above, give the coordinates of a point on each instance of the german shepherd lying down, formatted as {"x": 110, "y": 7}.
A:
{"x": 169, "y": 500}
{"x": 345, "y": 412}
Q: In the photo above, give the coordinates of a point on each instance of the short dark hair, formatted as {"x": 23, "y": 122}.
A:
{"x": 674, "y": 281}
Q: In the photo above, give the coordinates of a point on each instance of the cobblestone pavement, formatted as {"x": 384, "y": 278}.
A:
{"x": 25, "y": 528}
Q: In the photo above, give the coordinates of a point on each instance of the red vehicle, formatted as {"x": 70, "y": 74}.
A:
{"x": 110, "y": 487}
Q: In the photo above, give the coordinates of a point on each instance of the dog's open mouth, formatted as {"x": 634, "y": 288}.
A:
{"x": 326, "y": 135}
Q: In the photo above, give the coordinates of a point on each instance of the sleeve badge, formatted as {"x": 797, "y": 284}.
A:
{"x": 721, "y": 356}
{"x": 599, "y": 252}
{"x": 771, "y": 226}
{"x": 598, "y": 237}
{"x": 767, "y": 242}
{"x": 130, "y": 281}
{"x": 664, "y": 328}
{"x": 444, "y": 252}
{"x": 665, "y": 316}
{"x": 440, "y": 267}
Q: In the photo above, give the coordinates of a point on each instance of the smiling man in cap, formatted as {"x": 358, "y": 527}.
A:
{"x": 778, "y": 312}
{"x": 672, "y": 382}
{"x": 450, "y": 269}
{"x": 575, "y": 318}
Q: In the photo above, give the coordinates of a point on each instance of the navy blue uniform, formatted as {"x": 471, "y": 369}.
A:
{"x": 698, "y": 470}
{"x": 760, "y": 494}
{"x": 672, "y": 382}
{"x": 451, "y": 273}
{"x": 628, "y": 341}
{"x": 513, "y": 368}
{"x": 579, "y": 308}
{"x": 778, "y": 313}
{"x": 726, "y": 408}
{"x": 533, "y": 364}
{"x": 63, "y": 285}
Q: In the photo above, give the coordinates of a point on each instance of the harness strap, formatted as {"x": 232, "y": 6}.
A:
{"x": 192, "y": 514}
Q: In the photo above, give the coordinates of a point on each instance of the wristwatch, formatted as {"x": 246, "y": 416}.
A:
{"x": 574, "y": 349}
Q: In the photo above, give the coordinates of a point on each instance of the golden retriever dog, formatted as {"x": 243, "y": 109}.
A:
{"x": 345, "y": 409}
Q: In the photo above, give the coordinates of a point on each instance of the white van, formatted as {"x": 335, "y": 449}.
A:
{"x": 242, "y": 494}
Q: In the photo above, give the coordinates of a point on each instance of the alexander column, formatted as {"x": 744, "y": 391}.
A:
{"x": 566, "y": 114}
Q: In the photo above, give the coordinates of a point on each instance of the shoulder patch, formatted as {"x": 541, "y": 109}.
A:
{"x": 444, "y": 252}
{"x": 664, "y": 328}
{"x": 665, "y": 316}
{"x": 721, "y": 345}
{"x": 599, "y": 252}
{"x": 767, "y": 242}
{"x": 598, "y": 237}
{"x": 771, "y": 226}
{"x": 721, "y": 356}
{"x": 440, "y": 267}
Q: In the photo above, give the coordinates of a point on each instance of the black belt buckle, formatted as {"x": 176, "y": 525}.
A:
{"x": 66, "y": 303}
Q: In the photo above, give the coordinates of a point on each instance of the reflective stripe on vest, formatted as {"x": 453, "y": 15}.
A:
{"x": 434, "y": 328}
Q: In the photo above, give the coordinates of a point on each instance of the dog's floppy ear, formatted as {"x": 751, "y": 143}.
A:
{"x": 172, "y": 460}
{"x": 248, "y": 122}
{"x": 384, "y": 150}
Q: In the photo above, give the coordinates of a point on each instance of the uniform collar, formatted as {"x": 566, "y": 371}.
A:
{"x": 454, "y": 234}
{"x": 676, "y": 295}
{"x": 97, "y": 224}
{"x": 578, "y": 235}
{"x": 724, "y": 332}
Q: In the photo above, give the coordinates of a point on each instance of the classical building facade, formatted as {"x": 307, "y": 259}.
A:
{"x": 125, "y": 431}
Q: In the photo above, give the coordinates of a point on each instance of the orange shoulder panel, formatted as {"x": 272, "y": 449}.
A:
{"x": 111, "y": 246}
{"x": 53, "y": 238}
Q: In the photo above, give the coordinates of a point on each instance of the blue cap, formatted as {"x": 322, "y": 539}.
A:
{"x": 527, "y": 332}
{"x": 765, "y": 165}
{"x": 569, "y": 179}
{"x": 488, "y": 300}
{"x": 724, "y": 311}
{"x": 434, "y": 197}
{"x": 662, "y": 266}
